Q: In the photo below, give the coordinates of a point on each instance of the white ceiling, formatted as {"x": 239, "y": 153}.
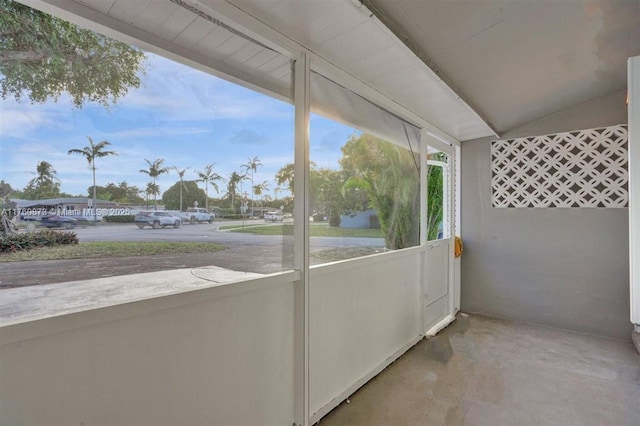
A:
{"x": 504, "y": 62}
{"x": 517, "y": 61}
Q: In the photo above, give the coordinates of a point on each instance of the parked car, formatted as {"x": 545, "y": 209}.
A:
{"x": 55, "y": 221}
{"x": 273, "y": 216}
{"x": 197, "y": 214}
{"x": 157, "y": 220}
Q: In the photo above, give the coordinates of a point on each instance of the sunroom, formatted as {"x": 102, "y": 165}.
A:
{"x": 510, "y": 125}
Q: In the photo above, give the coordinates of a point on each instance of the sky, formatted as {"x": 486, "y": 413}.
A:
{"x": 184, "y": 116}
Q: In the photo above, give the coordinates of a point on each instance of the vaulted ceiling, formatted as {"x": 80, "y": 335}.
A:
{"x": 516, "y": 61}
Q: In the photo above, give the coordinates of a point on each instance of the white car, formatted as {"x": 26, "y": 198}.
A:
{"x": 157, "y": 220}
{"x": 273, "y": 216}
{"x": 196, "y": 214}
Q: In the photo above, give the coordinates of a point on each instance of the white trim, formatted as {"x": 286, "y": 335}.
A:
{"x": 457, "y": 229}
{"x": 363, "y": 381}
{"x": 451, "y": 293}
{"x": 440, "y": 325}
{"x": 634, "y": 186}
{"x": 302, "y": 76}
{"x": 424, "y": 215}
{"x": 364, "y": 261}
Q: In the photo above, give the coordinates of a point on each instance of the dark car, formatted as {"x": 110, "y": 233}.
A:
{"x": 55, "y": 221}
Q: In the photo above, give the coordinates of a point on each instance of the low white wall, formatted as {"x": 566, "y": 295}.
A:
{"x": 214, "y": 356}
{"x": 364, "y": 313}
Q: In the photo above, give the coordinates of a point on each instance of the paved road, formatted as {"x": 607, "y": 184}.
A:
{"x": 245, "y": 252}
{"x": 210, "y": 232}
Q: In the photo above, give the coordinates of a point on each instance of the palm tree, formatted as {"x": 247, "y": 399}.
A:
{"x": 45, "y": 175}
{"x": 209, "y": 177}
{"x": 260, "y": 188}
{"x": 182, "y": 185}
{"x": 155, "y": 170}
{"x": 152, "y": 189}
{"x": 276, "y": 191}
{"x": 252, "y": 165}
{"x": 92, "y": 152}
{"x": 235, "y": 178}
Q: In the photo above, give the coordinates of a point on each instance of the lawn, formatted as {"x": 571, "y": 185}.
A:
{"x": 92, "y": 250}
{"x": 317, "y": 230}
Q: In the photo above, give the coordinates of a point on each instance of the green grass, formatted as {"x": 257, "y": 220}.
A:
{"x": 92, "y": 250}
{"x": 317, "y": 230}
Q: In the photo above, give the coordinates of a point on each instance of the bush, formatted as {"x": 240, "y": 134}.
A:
{"x": 120, "y": 219}
{"x": 334, "y": 220}
{"x": 319, "y": 217}
{"x": 30, "y": 240}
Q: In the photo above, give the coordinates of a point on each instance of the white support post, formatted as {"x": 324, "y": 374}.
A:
{"x": 424, "y": 214}
{"x": 634, "y": 187}
{"x": 451, "y": 199}
{"x": 457, "y": 230}
{"x": 301, "y": 240}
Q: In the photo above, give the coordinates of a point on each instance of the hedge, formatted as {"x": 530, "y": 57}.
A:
{"x": 29, "y": 240}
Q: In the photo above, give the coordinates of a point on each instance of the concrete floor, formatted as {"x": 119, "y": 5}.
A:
{"x": 485, "y": 371}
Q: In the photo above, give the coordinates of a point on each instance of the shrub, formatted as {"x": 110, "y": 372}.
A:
{"x": 334, "y": 220}
{"x": 120, "y": 219}
{"x": 30, "y": 240}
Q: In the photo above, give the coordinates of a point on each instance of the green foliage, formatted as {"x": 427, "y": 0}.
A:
{"x": 118, "y": 193}
{"x": 387, "y": 174}
{"x": 29, "y": 240}
{"x": 45, "y": 185}
{"x": 435, "y": 198}
{"x": 190, "y": 193}
{"x": 284, "y": 176}
{"x": 42, "y": 56}
{"x": 5, "y": 189}
{"x": 155, "y": 169}
{"x": 120, "y": 218}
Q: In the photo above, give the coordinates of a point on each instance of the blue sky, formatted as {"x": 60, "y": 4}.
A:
{"x": 187, "y": 117}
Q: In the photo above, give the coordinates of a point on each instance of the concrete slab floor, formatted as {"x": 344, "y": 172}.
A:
{"x": 485, "y": 371}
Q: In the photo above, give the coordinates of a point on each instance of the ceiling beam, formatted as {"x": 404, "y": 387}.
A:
{"x": 401, "y": 35}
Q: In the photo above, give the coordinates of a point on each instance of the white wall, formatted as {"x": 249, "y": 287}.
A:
{"x": 216, "y": 356}
{"x": 364, "y": 313}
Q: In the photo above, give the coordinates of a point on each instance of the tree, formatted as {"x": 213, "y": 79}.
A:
{"x": 209, "y": 177}
{"x": 155, "y": 169}
{"x": 118, "y": 192}
{"x": 260, "y": 188}
{"x": 5, "y": 189}
{"x": 182, "y": 185}
{"x": 152, "y": 189}
{"x": 389, "y": 176}
{"x": 90, "y": 153}
{"x": 285, "y": 175}
{"x": 235, "y": 178}
{"x": 435, "y": 194}
{"x": 252, "y": 165}
{"x": 42, "y": 56}
{"x": 171, "y": 197}
{"x": 45, "y": 185}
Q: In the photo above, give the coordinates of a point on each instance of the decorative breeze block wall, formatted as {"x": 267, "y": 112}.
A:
{"x": 586, "y": 168}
